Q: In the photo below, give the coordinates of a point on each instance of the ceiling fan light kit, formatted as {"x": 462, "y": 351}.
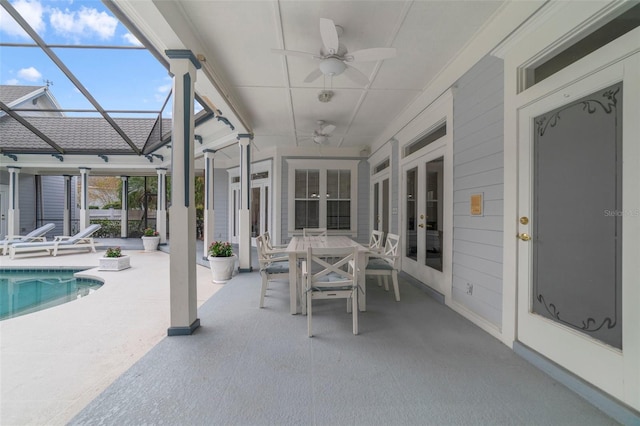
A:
{"x": 334, "y": 55}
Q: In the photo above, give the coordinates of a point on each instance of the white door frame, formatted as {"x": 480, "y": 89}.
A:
{"x": 440, "y": 111}
{"x": 576, "y": 351}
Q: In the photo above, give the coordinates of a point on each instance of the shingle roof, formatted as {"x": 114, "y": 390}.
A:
{"x": 76, "y": 135}
{"x": 9, "y": 94}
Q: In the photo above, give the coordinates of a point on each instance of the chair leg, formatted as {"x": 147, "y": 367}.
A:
{"x": 263, "y": 290}
{"x": 379, "y": 278}
{"x": 386, "y": 283}
{"x": 354, "y": 301}
{"x": 309, "y": 314}
{"x": 396, "y": 289}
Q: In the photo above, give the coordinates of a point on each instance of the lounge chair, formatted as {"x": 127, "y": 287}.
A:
{"x": 33, "y": 236}
{"x": 82, "y": 240}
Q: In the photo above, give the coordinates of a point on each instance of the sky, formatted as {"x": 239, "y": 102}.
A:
{"x": 117, "y": 79}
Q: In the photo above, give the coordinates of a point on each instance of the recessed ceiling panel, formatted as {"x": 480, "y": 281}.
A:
{"x": 243, "y": 33}
{"x": 269, "y": 109}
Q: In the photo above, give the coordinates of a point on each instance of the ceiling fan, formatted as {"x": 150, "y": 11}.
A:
{"x": 334, "y": 55}
{"x": 322, "y": 134}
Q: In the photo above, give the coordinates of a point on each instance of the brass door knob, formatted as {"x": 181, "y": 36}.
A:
{"x": 524, "y": 236}
{"x": 421, "y": 225}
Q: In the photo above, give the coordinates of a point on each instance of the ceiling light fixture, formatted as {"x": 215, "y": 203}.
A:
{"x": 325, "y": 96}
{"x": 320, "y": 139}
{"x": 332, "y": 66}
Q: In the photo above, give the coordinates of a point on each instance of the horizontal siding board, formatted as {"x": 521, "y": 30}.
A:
{"x": 479, "y": 180}
{"x": 473, "y": 304}
{"x": 491, "y": 283}
{"x": 470, "y": 125}
{"x": 479, "y": 292}
{"x": 480, "y": 150}
{"x": 484, "y": 163}
{"x": 483, "y": 251}
{"x": 488, "y": 132}
{"x": 489, "y": 223}
{"x": 481, "y": 265}
{"x": 493, "y": 238}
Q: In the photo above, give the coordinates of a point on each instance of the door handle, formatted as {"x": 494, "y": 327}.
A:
{"x": 421, "y": 225}
{"x": 524, "y": 236}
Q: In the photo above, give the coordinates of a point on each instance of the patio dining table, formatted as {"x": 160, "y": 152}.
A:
{"x": 297, "y": 249}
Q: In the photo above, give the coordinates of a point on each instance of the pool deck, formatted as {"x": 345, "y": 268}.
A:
{"x": 54, "y": 362}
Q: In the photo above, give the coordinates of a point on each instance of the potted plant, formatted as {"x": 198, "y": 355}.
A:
{"x": 114, "y": 260}
{"x": 221, "y": 261}
{"x": 150, "y": 239}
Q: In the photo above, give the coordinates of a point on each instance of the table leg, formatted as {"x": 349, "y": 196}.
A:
{"x": 293, "y": 284}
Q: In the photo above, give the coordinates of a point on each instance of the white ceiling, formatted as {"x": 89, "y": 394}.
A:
{"x": 267, "y": 90}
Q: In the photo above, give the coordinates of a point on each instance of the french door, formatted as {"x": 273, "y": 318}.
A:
{"x": 578, "y": 246}
{"x": 424, "y": 224}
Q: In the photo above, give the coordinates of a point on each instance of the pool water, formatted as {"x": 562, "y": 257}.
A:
{"x": 30, "y": 290}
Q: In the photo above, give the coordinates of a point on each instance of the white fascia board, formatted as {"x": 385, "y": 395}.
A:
{"x": 117, "y": 164}
{"x": 506, "y": 20}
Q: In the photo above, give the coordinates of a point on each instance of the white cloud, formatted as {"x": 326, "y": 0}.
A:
{"x": 162, "y": 91}
{"x": 30, "y": 10}
{"x": 12, "y": 82}
{"x": 131, "y": 39}
{"x": 30, "y": 74}
{"x": 75, "y": 24}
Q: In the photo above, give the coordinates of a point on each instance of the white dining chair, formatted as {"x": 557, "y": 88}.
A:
{"x": 314, "y": 232}
{"x": 273, "y": 266}
{"x": 333, "y": 277}
{"x": 385, "y": 264}
{"x": 375, "y": 242}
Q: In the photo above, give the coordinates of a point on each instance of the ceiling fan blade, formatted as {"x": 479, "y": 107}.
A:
{"x": 313, "y": 75}
{"x": 329, "y": 36}
{"x": 295, "y": 53}
{"x": 326, "y": 130}
{"x": 356, "y": 76}
{"x": 373, "y": 54}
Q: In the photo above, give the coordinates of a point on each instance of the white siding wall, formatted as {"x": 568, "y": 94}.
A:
{"x": 478, "y": 168}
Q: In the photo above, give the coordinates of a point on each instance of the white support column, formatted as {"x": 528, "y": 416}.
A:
{"x": 209, "y": 212}
{"x": 124, "y": 207}
{"x": 183, "y": 301}
{"x": 84, "y": 197}
{"x": 244, "y": 217}
{"x": 66, "y": 214}
{"x": 161, "y": 213}
{"x": 13, "y": 215}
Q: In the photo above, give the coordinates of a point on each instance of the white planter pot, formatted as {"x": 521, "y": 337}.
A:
{"x": 114, "y": 263}
{"x": 150, "y": 243}
{"x": 222, "y": 268}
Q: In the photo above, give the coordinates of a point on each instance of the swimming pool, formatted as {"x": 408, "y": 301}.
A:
{"x": 23, "y": 291}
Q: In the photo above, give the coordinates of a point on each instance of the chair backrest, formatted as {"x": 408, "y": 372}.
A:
{"x": 314, "y": 232}
{"x": 39, "y": 232}
{"x": 332, "y": 267}
{"x": 391, "y": 246}
{"x": 261, "y": 246}
{"x": 86, "y": 232}
{"x": 375, "y": 243}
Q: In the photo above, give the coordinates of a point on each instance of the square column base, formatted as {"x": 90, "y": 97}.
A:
{"x": 184, "y": 331}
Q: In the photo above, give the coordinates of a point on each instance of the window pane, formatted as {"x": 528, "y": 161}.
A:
{"x": 301, "y": 184}
{"x": 412, "y": 210}
{"x": 345, "y": 184}
{"x": 338, "y": 215}
{"x": 314, "y": 184}
{"x": 333, "y": 177}
{"x": 307, "y": 214}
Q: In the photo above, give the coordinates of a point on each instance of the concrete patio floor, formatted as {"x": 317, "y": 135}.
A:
{"x": 105, "y": 359}
{"x": 54, "y": 362}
